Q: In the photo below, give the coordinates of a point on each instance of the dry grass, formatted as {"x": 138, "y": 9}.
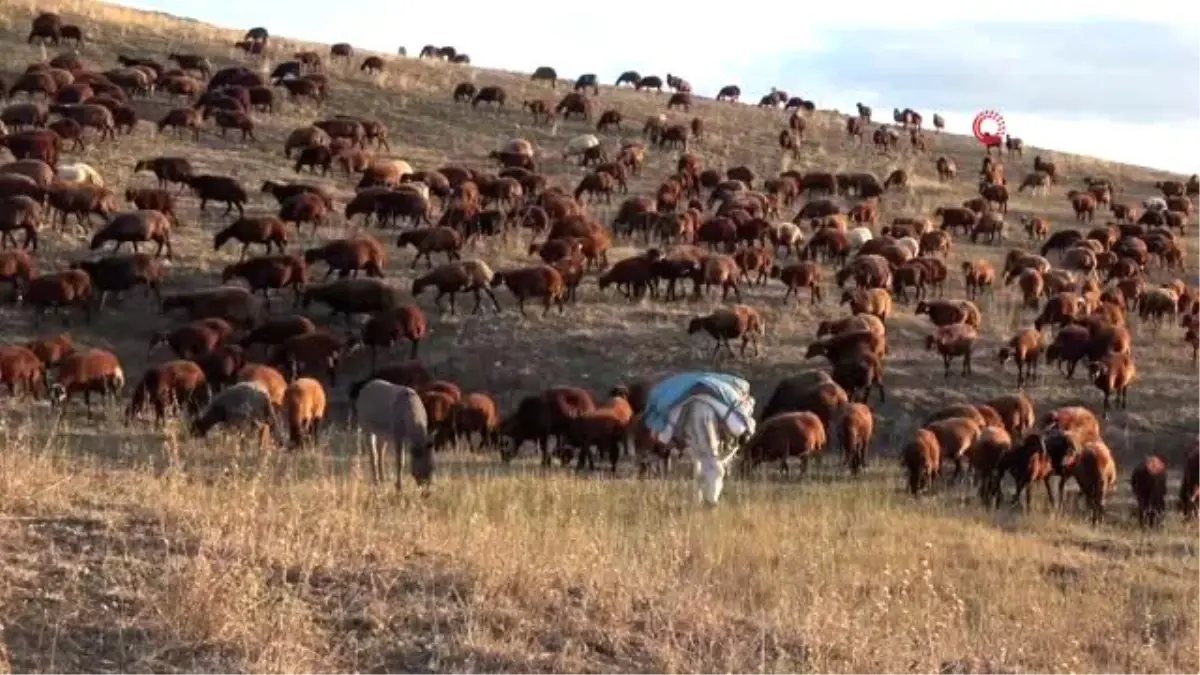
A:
{"x": 132, "y": 549}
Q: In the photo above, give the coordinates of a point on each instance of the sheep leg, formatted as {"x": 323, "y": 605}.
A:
{"x": 946, "y": 359}
{"x": 966, "y": 364}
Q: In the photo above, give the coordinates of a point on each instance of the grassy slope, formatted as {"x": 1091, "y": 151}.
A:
{"x": 130, "y": 549}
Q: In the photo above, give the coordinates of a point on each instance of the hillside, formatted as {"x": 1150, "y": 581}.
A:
{"x": 128, "y": 548}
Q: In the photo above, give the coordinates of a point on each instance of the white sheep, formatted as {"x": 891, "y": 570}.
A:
{"x": 242, "y": 404}
{"x": 580, "y": 145}
{"x": 858, "y": 236}
{"x": 394, "y": 414}
{"x": 78, "y": 173}
{"x": 910, "y": 244}
{"x": 402, "y": 167}
{"x": 518, "y": 146}
{"x": 788, "y": 235}
{"x": 1155, "y": 204}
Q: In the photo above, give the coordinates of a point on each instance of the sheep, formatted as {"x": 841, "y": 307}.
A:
{"x": 79, "y": 173}
{"x": 475, "y": 413}
{"x": 541, "y": 281}
{"x": 602, "y": 427}
{"x": 269, "y": 272}
{"x": 432, "y": 240}
{"x": 633, "y": 276}
{"x": 1095, "y": 472}
{"x": 456, "y": 277}
{"x": 579, "y": 145}
{"x": 135, "y": 227}
{"x": 117, "y": 274}
{"x": 812, "y": 391}
{"x": 303, "y": 410}
{"x": 193, "y": 340}
{"x": 956, "y": 436}
{"x": 242, "y": 404}
{"x": 1113, "y": 374}
{"x": 844, "y": 345}
{"x": 348, "y": 256}
{"x": 539, "y": 417}
{"x": 22, "y": 371}
{"x": 71, "y": 288}
{"x": 805, "y": 274}
{"x": 168, "y": 170}
{"x": 853, "y": 323}
{"x": 267, "y": 231}
{"x": 1025, "y": 349}
{"x": 87, "y": 371}
{"x": 305, "y": 207}
{"x": 19, "y": 212}
{"x": 855, "y": 425}
{"x": 274, "y": 330}
{"x": 954, "y": 340}
{"x": 234, "y": 304}
{"x": 394, "y": 414}
{"x": 352, "y": 296}
{"x": 738, "y": 321}
{"x": 219, "y": 189}
{"x": 978, "y": 275}
{"x": 986, "y": 453}
{"x": 387, "y": 328}
{"x": 868, "y": 271}
{"x": 1149, "y": 485}
{"x": 181, "y": 383}
{"x": 794, "y": 434}
{"x": 921, "y": 457}
{"x": 949, "y": 312}
{"x": 873, "y": 301}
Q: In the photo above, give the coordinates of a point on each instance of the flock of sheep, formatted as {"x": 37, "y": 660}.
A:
{"x": 241, "y": 363}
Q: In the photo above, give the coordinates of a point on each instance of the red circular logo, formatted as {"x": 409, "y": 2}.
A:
{"x": 988, "y": 128}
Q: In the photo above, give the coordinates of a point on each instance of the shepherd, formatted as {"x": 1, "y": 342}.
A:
{"x": 707, "y": 414}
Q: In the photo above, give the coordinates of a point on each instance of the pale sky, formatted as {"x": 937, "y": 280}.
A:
{"x": 1094, "y": 77}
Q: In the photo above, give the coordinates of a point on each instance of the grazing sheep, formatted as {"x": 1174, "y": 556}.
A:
{"x": 1095, "y": 472}
{"x": 243, "y": 404}
{"x": 738, "y": 321}
{"x": 954, "y": 340}
{"x": 793, "y": 434}
{"x": 165, "y": 385}
{"x": 58, "y": 290}
{"x": 540, "y": 281}
{"x": 1149, "y": 484}
{"x": 388, "y": 328}
{"x": 303, "y": 410}
{"x": 22, "y": 371}
{"x": 921, "y": 457}
{"x": 956, "y": 436}
{"x": 394, "y": 414}
{"x": 805, "y": 274}
{"x": 986, "y": 453}
{"x": 855, "y": 426}
{"x": 87, "y": 371}
{"x": 1025, "y": 349}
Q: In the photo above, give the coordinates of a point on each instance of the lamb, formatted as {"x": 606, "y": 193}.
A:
{"x": 432, "y": 240}
{"x": 954, "y": 340}
{"x": 1025, "y": 349}
{"x": 87, "y": 371}
{"x": 243, "y": 404}
{"x": 738, "y": 321}
{"x": 22, "y": 371}
{"x": 1113, "y": 374}
{"x": 456, "y": 277}
{"x": 181, "y": 383}
{"x": 855, "y": 425}
{"x": 267, "y": 231}
{"x": 921, "y": 457}
{"x": 794, "y": 434}
{"x": 234, "y": 304}
{"x": 72, "y": 288}
{"x": 352, "y": 296}
{"x": 394, "y": 414}
{"x": 541, "y": 281}
{"x": 136, "y": 227}
{"x": 1149, "y": 484}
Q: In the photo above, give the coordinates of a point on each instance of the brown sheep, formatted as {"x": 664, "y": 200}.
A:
{"x": 921, "y": 457}
{"x": 725, "y": 324}
{"x": 456, "y": 277}
{"x": 855, "y": 425}
{"x": 854, "y": 322}
{"x": 194, "y": 340}
{"x": 234, "y": 304}
{"x": 955, "y": 340}
{"x": 1025, "y": 349}
{"x": 475, "y": 413}
{"x": 805, "y": 274}
{"x": 978, "y": 275}
{"x": 868, "y": 271}
{"x": 956, "y": 436}
{"x": 303, "y": 208}
{"x": 541, "y": 416}
{"x": 174, "y": 383}
{"x": 986, "y": 454}
{"x": 19, "y": 212}
{"x": 22, "y": 371}
{"x": 1113, "y": 375}
{"x": 168, "y": 170}
{"x": 873, "y": 301}
{"x": 120, "y": 273}
{"x": 949, "y": 312}
{"x": 58, "y": 290}
{"x": 219, "y": 189}
{"x": 348, "y": 256}
{"x": 269, "y": 378}
{"x": 1032, "y": 285}
{"x": 847, "y": 345}
{"x": 269, "y": 272}
{"x": 432, "y": 240}
{"x": 540, "y": 281}
{"x": 386, "y": 329}
{"x": 793, "y": 434}
{"x": 265, "y": 230}
{"x": 87, "y": 371}
{"x": 136, "y": 227}
{"x": 1149, "y": 484}
{"x": 1095, "y": 472}
{"x": 303, "y": 410}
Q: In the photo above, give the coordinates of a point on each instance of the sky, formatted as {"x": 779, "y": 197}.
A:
{"x": 1103, "y": 78}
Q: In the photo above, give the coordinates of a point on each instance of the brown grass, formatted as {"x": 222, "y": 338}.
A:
{"x": 134, "y": 549}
